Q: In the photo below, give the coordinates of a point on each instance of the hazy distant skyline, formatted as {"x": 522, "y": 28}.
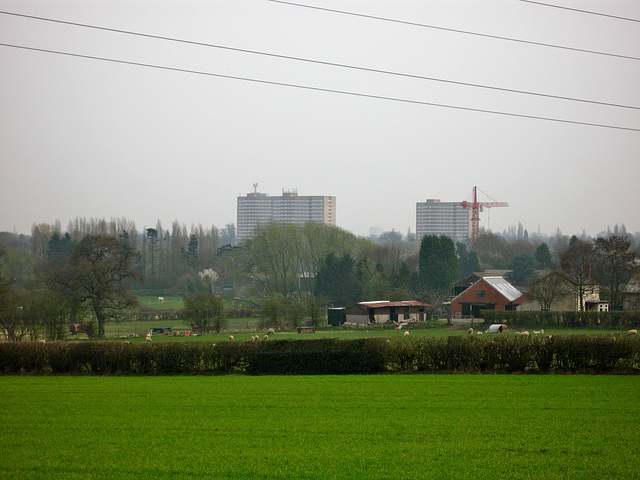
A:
{"x": 83, "y": 137}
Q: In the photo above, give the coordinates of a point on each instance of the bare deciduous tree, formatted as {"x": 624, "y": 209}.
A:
{"x": 98, "y": 275}
{"x": 617, "y": 265}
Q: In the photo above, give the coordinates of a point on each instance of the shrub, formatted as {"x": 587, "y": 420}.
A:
{"x": 324, "y": 356}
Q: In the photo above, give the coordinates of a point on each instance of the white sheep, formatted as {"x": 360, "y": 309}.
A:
{"x": 406, "y": 334}
{"x": 525, "y": 334}
{"x": 266, "y": 337}
{"x": 540, "y": 332}
{"x": 470, "y": 331}
{"x": 147, "y": 337}
{"x": 230, "y": 337}
{"x": 479, "y": 333}
{"x": 632, "y": 332}
{"x": 42, "y": 340}
{"x": 271, "y": 331}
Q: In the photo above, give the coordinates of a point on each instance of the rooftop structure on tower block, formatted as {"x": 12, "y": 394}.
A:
{"x": 257, "y": 208}
{"x": 434, "y": 217}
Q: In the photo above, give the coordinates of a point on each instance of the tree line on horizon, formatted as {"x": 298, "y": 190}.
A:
{"x": 292, "y": 271}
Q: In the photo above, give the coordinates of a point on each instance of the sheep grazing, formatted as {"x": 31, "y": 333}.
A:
{"x": 406, "y": 334}
{"x": 479, "y": 333}
{"x": 271, "y": 331}
{"x": 42, "y": 340}
{"x": 632, "y": 332}
{"x": 147, "y": 337}
{"x": 540, "y": 332}
{"x": 230, "y": 337}
{"x": 470, "y": 331}
{"x": 266, "y": 337}
{"x": 525, "y": 334}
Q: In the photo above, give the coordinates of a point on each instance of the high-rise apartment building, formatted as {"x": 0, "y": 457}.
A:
{"x": 256, "y": 209}
{"x": 434, "y": 217}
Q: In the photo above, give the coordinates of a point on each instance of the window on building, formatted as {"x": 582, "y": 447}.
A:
{"x": 480, "y": 293}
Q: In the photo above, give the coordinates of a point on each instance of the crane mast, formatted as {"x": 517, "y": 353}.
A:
{"x": 476, "y": 207}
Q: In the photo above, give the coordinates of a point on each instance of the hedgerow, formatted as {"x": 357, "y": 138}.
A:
{"x": 455, "y": 354}
{"x": 624, "y": 318}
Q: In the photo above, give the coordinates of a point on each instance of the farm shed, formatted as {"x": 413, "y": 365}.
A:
{"x": 498, "y": 328}
{"x": 461, "y": 285}
{"x": 336, "y": 316}
{"x": 488, "y": 293}
{"x": 364, "y": 313}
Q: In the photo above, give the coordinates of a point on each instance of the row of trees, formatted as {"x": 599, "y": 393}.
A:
{"x": 293, "y": 271}
{"x": 162, "y": 256}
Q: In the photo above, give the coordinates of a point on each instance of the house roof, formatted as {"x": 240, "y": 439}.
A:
{"x": 633, "y": 286}
{"x": 507, "y": 290}
{"x": 386, "y": 304}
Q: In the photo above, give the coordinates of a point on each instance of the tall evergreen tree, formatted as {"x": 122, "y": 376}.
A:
{"x": 59, "y": 246}
{"x": 152, "y": 239}
{"x": 522, "y": 267}
{"x": 543, "y": 256}
{"x": 468, "y": 262}
{"x": 190, "y": 256}
{"x": 438, "y": 264}
{"x": 335, "y": 280}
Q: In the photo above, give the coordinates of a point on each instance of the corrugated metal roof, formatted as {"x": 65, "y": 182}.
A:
{"x": 385, "y": 303}
{"x": 507, "y": 290}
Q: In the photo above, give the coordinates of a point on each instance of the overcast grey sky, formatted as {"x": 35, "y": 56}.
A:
{"x": 90, "y": 138}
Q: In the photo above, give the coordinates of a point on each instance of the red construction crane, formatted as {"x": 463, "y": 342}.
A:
{"x": 476, "y": 207}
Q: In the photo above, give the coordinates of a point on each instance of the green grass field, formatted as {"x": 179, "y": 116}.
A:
{"x": 326, "y": 427}
{"x": 244, "y": 328}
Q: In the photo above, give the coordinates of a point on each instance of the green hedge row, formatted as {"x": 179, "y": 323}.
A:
{"x": 626, "y": 319}
{"x": 473, "y": 354}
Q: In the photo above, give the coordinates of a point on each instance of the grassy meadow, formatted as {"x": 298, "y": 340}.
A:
{"x": 245, "y": 328}
{"x": 320, "y": 427}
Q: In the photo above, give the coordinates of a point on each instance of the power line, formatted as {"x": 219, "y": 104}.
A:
{"x": 320, "y": 62}
{"x": 326, "y": 90}
{"x": 453, "y": 30}
{"x": 581, "y": 11}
